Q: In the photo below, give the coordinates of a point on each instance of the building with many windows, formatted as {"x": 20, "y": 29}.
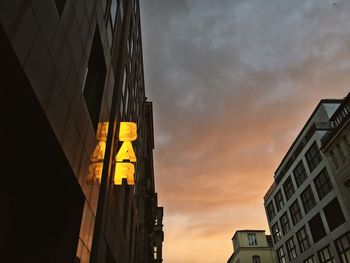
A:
{"x": 72, "y": 72}
{"x": 252, "y": 246}
{"x": 336, "y": 146}
{"x": 305, "y": 207}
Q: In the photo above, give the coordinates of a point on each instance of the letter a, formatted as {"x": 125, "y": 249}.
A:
{"x": 126, "y": 152}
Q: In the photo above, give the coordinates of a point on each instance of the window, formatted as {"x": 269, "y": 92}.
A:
{"x": 281, "y": 255}
{"x": 295, "y": 212}
{"x": 334, "y": 214}
{"x": 313, "y": 156}
{"x": 252, "y": 239}
{"x": 288, "y": 188}
{"x": 276, "y": 233}
{"x": 325, "y": 255}
{"x": 317, "y": 228}
{"x": 285, "y": 223}
{"x": 113, "y": 11}
{"x": 95, "y": 79}
{"x": 300, "y": 173}
{"x": 279, "y": 200}
{"x": 343, "y": 247}
{"x": 341, "y": 153}
{"x": 310, "y": 260}
{"x": 303, "y": 239}
{"x": 155, "y": 252}
{"x": 256, "y": 259}
{"x": 323, "y": 184}
{"x": 291, "y": 249}
{"x": 308, "y": 199}
{"x": 347, "y": 144}
{"x": 60, "y": 6}
{"x": 271, "y": 211}
{"x": 111, "y": 15}
{"x": 334, "y": 159}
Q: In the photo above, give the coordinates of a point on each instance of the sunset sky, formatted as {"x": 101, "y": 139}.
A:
{"x": 232, "y": 83}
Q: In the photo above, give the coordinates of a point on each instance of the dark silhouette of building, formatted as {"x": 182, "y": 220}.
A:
{"x": 305, "y": 206}
{"x": 72, "y": 70}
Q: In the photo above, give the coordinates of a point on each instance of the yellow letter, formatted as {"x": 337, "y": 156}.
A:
{"x": 124, "y": 170}
{"x": 127, "y": 131}
{"x": 126, "y": 152}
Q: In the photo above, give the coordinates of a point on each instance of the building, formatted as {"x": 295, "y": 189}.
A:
{"x": 72, "y": 71}
{"x": 252, "y": 246}
{"x": 305, "y": 209}
{"x": 336, "y": 146}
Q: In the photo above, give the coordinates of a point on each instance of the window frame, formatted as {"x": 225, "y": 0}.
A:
{"x": 303, "y": 239}
{"x": 252, "y": 239}
{"x": 322, "y": 256}
{"x": 271, "y": 213}
{"x": 313, "y": 156}
{"x": 279, "y": 201}
{"x": 296, "y": 215}
{"x": 276, "y": 232}
{"x": 323, "y": 184}
{"x": 342, "y": 251}
{"x": 288, "y": 188}
{"x": 308, "y": 199}
{"x": 300, "y": 174}
{"x": 256, "y": 259}
{"x": 291, "y": 248}
{"x": 281, "y": 257}
{"x": 285, "y": 225}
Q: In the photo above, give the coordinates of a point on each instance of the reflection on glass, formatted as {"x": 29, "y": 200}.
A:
{"x": 97, "y": 156}
{"x": 114, "y": 7}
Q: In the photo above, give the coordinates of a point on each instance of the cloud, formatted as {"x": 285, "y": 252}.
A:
{"x": 232, "y": 84}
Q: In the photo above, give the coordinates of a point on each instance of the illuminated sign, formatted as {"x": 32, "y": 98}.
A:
{"x": 125, "y": 157}
{"x": 98, "y": 155}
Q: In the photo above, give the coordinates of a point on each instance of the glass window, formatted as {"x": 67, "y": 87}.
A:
{"x": 271, "y": 211}
{"x": 95, "y": 80}
{"x": 291, "y": 249}
{"x": 347, "y": 144}
{"x": 343, "y": 247}
{"x": 256, "y": 259}
{"x": 252, "y": 239}
{"x": 288, "y": 188}
{"x": 113, "y": 10}
{"x": 276, "y": 233}
{"x": 334, "y": 159}
{"x": 310, "y": 260}
{"x": 295, "y": 212}
{"x": 317, "y": 228}
{"x": 334, "y": 214}
{"x": 323, "y": 184}
{"x": 279, "y": 200}
{"x": 281, "y": 255}
{"x": 303, "y": 239}
{"x": 325, "y": 255}
{"x": 341, "y": 153}
{"x": 300, "y": 173}
{"x": 313, "y": 156}
{"x": 285, "y": 223}
{"x": 308, "y": 199}
{"x": 60, "y": 6}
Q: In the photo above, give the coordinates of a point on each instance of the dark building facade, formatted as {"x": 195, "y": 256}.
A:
{"x": 305, "y": 206}
{"x": 72, "y": 71}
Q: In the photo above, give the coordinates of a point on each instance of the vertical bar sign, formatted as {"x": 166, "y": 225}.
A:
{"x": 126, "y": 157}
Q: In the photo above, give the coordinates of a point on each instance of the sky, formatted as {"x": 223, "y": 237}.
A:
{"x": 232, "y": 83}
